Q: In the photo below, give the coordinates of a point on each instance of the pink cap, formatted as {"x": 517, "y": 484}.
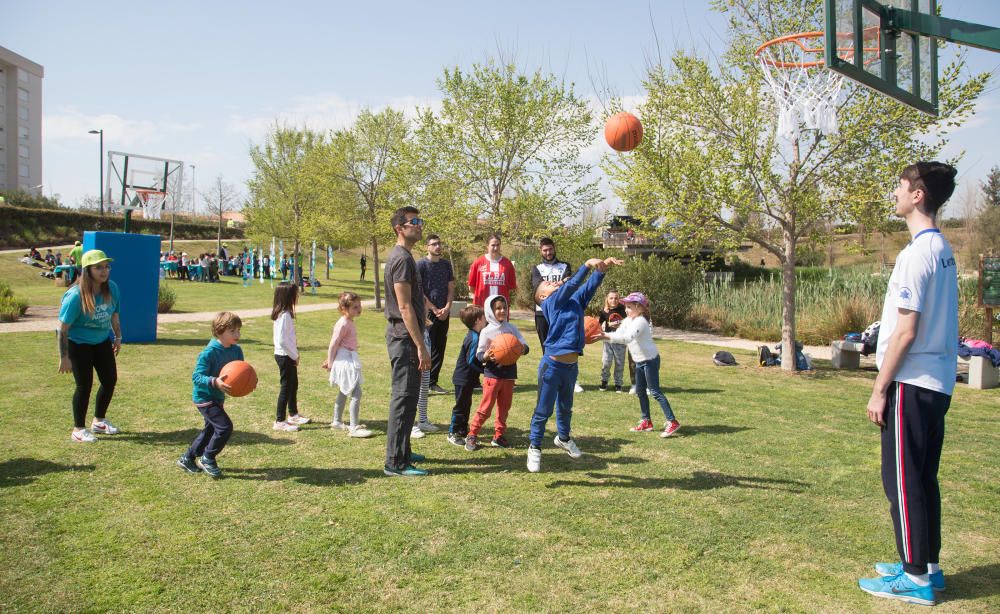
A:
{"x": 637, "y": 297}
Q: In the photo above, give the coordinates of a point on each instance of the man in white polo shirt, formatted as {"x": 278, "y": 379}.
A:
{"x": 916, "y": 356}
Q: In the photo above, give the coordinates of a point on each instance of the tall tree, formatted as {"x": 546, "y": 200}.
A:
{"x": 502, "y": 135}
{"x": 712, "y": 165}
{"x": 220, "y": 198}
{"x": 285, "y": 199}
{"x": 360, "y": 163}
{"x": 991, "y": 188}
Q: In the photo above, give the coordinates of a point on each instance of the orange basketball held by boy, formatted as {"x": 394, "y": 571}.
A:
{"x": 506, "y": 349}
{"x": 591, "y": 329}
{"x": 241, "y": 377}
{"x": 623, "y": 131}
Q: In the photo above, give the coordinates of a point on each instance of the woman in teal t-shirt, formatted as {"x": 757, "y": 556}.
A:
{"x": 87, "y": 317}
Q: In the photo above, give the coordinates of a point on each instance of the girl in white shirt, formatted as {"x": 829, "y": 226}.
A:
{"x": 286, "y": 354}
{"x": 635, "y": 331}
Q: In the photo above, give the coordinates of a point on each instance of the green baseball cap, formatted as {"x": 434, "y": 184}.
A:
{"x": 94, "y": 256}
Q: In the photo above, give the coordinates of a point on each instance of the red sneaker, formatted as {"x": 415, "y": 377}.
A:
{"x": 644, "y": 425}
{"x": 670, "y": 429}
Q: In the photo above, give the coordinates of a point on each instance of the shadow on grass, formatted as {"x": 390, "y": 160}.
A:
{"x": 691, "y": 430}
{"x": 699, "y": 480}
{"x": 974, "y": 583}
{"x": 312, "y": 476}
{"x": 186, "y": 436}
{"x": 168, "y": 341}
{"x": 693, "y": 390}
{"x": 21, "y": 471}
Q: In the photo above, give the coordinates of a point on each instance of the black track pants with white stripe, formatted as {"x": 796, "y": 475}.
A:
{"x": 911, "y": 453}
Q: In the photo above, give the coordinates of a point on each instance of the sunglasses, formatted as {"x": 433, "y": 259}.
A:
{"x": 415, "y": 222}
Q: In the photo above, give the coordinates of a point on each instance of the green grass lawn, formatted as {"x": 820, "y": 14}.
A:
{"x": 768, "y": 498}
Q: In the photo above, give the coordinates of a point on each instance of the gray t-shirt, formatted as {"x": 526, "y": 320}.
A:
{"x": 400, "y": 267}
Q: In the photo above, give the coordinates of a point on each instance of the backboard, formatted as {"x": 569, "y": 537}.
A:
{"x": 131, "y": 176}
{"x": 905, "y": 67}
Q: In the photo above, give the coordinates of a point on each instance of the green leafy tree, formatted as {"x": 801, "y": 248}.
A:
{"x": 987, "y": 228}
{"x": 991, "y": 188}
{"x": 285, "y": 200}
{"x": 511, "y": 143}
{"x": 712, "y": 166}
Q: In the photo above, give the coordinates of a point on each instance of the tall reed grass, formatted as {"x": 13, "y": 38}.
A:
{"x": 826, "y": 309}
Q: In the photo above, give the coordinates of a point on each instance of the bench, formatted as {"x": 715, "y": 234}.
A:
{"x": 846, "y": 354}
{"x": 982, "y": 374}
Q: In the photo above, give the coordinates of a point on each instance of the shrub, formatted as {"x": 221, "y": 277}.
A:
{"x": 166, "y": 298}
{"x": 669, "y": 285}
{"x": 11, "y": 307}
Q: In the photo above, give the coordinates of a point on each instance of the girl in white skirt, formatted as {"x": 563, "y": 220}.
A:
{"x": 345, "y": 367}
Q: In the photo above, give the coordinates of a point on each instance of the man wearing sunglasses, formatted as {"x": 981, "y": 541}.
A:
{"x": 404, "y": 335}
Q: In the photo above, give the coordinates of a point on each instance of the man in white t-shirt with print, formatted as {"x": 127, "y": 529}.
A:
{"x": 916, "y": 356}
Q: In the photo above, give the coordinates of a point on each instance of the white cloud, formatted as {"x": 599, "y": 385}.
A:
{"x": 68, "y": 126}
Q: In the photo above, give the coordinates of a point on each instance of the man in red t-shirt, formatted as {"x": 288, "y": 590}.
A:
{"x": 491, "y": 273}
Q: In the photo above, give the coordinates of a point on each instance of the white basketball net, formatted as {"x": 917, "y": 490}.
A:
{"x": 152, "y": 204}
{"x": 806, "y": 95}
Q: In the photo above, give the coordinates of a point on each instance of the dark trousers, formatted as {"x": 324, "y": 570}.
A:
{"x": 911, "y": 453}
{"x": 86, "y": 359}
{"x": 403, "y": 364}
{"x": 438, "y": 333}
{"x": 288, "y": 393}
{"x": 542, "y": 328}
{"x": 211, "y": 440}
{"x": 463, "y": 406}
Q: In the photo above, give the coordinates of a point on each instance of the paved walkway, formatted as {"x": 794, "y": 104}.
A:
{"x": 41, "y": 319}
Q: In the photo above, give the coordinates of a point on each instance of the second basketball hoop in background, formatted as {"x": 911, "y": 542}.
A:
{"x": 623, "y": 131}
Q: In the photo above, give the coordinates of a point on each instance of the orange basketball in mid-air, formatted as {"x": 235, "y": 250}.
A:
{"x": 506, "y": 349}
{"x": 240, "y": 376}
{"x": 623, "y": 131}
{"x": 591, "y": 328}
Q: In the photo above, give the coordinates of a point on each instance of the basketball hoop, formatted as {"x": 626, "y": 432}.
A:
{"x": 152, "y": 202}
{"x": 805, "y": 92}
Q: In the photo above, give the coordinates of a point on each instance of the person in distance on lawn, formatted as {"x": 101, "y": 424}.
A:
{"x": 209, "y": 395}
{"x": 562, "y": 307}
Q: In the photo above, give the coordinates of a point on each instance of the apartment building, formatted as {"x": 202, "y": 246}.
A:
{"x": 20, "y": 122}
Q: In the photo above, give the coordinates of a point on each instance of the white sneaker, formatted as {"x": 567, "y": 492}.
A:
{"x": 358, "y": 431}
{"x": 339, "y": 426}
{"x": 577, "y": 388}
{"x": 103, "y": 427}
{"x": 570, "y": 446}
{"x": 285, "y": 426}
{"x": 298, "y": 419}
{"x": 416, "y": 433}
{"x": 83, "y": 436}
{"x": 534, "y": 460}
{"x": 632, "y": 389}
{"x": 427, "y": 427}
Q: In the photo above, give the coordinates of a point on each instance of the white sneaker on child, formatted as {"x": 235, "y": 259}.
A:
{"x": 298, "y": 419}
{"x": 427, "y": 427}
{"x": 577, "y": 388}
{"x": 285, "y": 426}
{"x": 570, "y": 446}
{"x": 358, "y": 431}
{"x": 83, "y": 436}
{"x": 534, "y": 460}
{"x": 416, "y": 433}
{"x": 103, "y": 427}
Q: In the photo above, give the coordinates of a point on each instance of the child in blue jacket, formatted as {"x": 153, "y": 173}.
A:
{"x": 209, "y": 395}
{"x": 466, "y": 375}
{"x": 562, "y": 305}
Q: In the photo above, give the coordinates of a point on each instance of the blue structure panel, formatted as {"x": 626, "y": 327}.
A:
{"x": 136, "y": 270}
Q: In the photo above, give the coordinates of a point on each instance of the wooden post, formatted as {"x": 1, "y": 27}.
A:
{"x": 988, "y": 337}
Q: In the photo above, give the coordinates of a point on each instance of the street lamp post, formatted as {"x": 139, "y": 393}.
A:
{"x": 101, "y": 132}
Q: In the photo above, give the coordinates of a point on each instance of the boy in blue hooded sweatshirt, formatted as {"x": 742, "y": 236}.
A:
{"x": 562, "y": 305}
{"x": 498, "y": 380}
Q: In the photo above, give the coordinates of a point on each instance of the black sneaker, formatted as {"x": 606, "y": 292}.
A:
{"x": 604, "y": 387}
{"x": 434, "y": 388}
{"x": 210, "y": 467}
{"x": 457, "y": 440}
{"x": 500, "y": 442}
{"x": 618, "y": 389}
{"x": 188, "y": 464}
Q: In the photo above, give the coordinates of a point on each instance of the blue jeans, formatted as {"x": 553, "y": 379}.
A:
{"x": 218, "y": 428}
{"x": 647, "y": 376}
{"x": 555, "y": 390}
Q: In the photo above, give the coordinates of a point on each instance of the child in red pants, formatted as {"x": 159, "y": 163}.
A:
{"x": 498, "y": 380}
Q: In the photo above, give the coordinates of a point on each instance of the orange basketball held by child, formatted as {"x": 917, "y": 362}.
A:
{"x": 240, "y": 376}
{"x": 591, "y": 328}
{"x": 623, "y": 131}
{"x": 506, "y": 349}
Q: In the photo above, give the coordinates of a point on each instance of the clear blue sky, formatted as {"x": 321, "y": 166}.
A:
{"x": 201, "y": 81}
